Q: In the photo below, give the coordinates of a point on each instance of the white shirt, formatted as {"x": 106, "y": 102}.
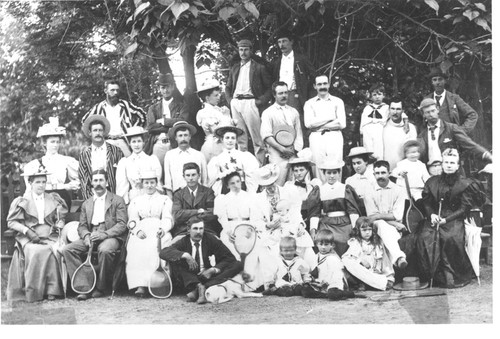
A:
{"x": 286, "y": 70}
{"x": 434, "y": 151}
{"x": 98, "y": 157}
{"x": 281, "y": 115}
{"x": 174, "y": 163}
{"x": 441, "y": 100}
{"x": 99, "y": 208}
{"x": 318, "y": 111}
{"x": 394, "y": 138}
{"x": 362, "y": 183}
{"x": 113, "y": 115}
{"x": 166, "y": 110}
{"x": 40, "y": 207}
{"x": 417, "y": 176}
{"x": 390, "y": 199}
{"x": 193, "y": 254}
{"x": 243, "y": 82}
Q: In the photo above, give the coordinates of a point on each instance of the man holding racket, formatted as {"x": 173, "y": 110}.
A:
{"x": 189, "y": 261}
{"x": 103, "y": 224}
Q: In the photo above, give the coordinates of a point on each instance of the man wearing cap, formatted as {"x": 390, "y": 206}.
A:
{"x": 452, "y": 108}
{"x": 121, "y": 115}
{"x": 439, "y": 135}
{"x": 103, "y": 221}
{"x": 99, "y": 155}
{"x": 324, "y": 116}
{"x": 281, "y": 120}
{"x": 248, "y": 90}
{"x": 193, "y": 200}
{"x": 175, "y": 159}
{"x": 394, "y": 135}
{"x": 296, "y": 71}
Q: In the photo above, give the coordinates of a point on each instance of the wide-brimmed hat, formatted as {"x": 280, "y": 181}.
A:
{"x": 36, "y": 172}
{"x": 166, "y": 79}
{"x": 304, "y": 156}
{"x": 331, "y": 164}
{"x": 208, "y": 84}
{"x": 426, "y": 103}
{"x": 358, "y": 151}
{"x": 284, "y": 135}
{"x": 135, "y": 130}
{"x": 181, "y": 124}
{"x": 51, "y": 129}
{"x": 437, "y": 71}
{"x": 70, "y": 231}
{"x": 266, "y": 175}
{"x": 149, "y": 174}
{"x": 92, "y": 118}
{"x": 410, "y": 284}
{"x": 220, "y": 131}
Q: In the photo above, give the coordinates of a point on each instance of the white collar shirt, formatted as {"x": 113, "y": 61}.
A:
{"x": 286, "y": 71}
{"x": 174, "y": 163}
{"x": 99, "y": 206}
{"x": 113, "y": 115}
{"x": 434, "y": 151}
{"x": 98, "y": 157}
{"x": 243, "y": 82}
{"x": 166, "y": 109}
{"x": 40, "y": 207}
{"x": 441, "y": 99}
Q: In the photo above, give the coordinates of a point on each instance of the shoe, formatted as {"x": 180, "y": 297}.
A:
{"x": 82, "y": 297}
{"x": 201, "y": 294}
{"x": 140, "y": 292}
{"x": 270, "y": 291}
{"x": 97, "y": 294}
{"x": 361, "y": 287}
{"x": 193, "y": 295}
{"x": 51, "y": 297}
{"x": 389, "y": 285}
{"x": 402, "y": 263}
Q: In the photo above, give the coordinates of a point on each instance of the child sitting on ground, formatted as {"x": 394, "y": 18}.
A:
{"x": 413, "y": 168}
{"x": 329, "y": 280}
{"x": 366, "y": 258}
{"x": 291, "y": 270}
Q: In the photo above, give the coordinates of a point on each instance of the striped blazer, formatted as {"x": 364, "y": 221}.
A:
{"x": 130, "y": 115}
{"x": 113, "y": 155}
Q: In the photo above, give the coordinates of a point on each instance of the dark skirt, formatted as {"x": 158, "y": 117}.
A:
{"x": 341, "y": 228}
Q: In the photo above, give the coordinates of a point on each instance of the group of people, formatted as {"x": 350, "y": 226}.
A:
{"x": 276, "y": 167}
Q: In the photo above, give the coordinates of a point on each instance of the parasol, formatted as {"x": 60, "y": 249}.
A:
{"x": 434, "y": 262}
{"x": 473, "y": 244}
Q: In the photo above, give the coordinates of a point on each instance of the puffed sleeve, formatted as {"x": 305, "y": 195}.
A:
{"x": 72, "y": 167}
{"x": 133, "y": 210}
{"x": 354, "y": 250}
{"x": 472, "y": 196}
{"x": 250, "y": 164}
{"x": 352, "y": 200}
{"x": 166, "y": 215}
{"x": 15, "y": 218}
{"x": 428, "y": 199}
{"x": 220, "y": 209}
{"x": 122, "y": 184}
{"x": 314, "y": 203}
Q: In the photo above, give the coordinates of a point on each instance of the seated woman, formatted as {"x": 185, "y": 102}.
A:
{"x": 448, "y": 262}
{"x": 149, "y": 214}
{"x": 128, "y": 184}
{"x": 231, "y": 160}
{"x": 210, "y": 117}
{"x": 37, "y": 217}
{"x": 338, "y": 205}
{"x": 64, "y": 170}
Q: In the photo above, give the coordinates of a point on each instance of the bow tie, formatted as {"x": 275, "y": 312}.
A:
{"x": 300, "y": 184}
{"x": 375, "y": 114}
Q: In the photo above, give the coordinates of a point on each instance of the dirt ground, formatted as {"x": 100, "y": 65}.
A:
{"x": 472, "y": 304}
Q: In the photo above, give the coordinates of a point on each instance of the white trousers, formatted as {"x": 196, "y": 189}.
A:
{"x": 247, "y": 118}
{"x": 327, "y": 146}
{"x": 378, "y": 281}
{"x": 373, "y": 140}
{"x": 390, "y": 237}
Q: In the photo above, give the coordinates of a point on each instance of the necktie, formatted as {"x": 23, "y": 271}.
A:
{"x": 432, "y": 128}
{"x": 192, "y": 198}
{"x": 438, "y": 101}
{"x": 375, "y": 114}
{"x": 300, "y": 184}
{"x": 197, "y": 254}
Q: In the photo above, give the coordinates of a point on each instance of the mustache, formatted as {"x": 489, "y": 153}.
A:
{"x": 183, "y": 142}
{"x": 99, "y": 186}
{"x": 323, "y": 89}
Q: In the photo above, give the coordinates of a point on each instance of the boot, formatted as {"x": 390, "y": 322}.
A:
{"x": 201, "y": 294}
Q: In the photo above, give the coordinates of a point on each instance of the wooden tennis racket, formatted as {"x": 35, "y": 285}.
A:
{"x": 160, "y": 284}
{"x": 84, "y": 279}
{"x": 413, "y": 215}
{"x": 407, "y": 294}
{"x": 245, "y": 237}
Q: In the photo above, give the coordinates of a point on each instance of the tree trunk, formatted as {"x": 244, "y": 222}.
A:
{"x": 161, "y": 59}
{"x": 188, "y": 61}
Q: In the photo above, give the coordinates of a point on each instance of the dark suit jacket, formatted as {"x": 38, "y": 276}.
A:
{"x": 260, "y": 83}
{"x": 210, "y": 245}
{"x": 183, "y": 209}
{"x": 457, "y": 111}
{"x": 113, "y": 155}
{"x": 304, "y": 76}
{"x": 115, "y": 217}
{"x": 450, "y": 135}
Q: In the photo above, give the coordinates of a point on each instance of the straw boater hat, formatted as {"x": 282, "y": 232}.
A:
{"x": 36, "y": 172}
{"x": 51, "y": 129}
{"x": 149, "y": 174}
{"x": 358, "y": 151}
{"x": 284, "y": 135}
{"x": 178, "y": 125}
{"x": 220, "y": 131}
{"x": 92, "y": 118}
{"x": 135, "y": 130}
{"x": 303, "y": 156}
{"x": 70, "y": 231}
{"x": 166, "y": 79}
{"x": 208, "y": 84}
{"x": 266, "y": 175}
{"x": 331, "y": 164}
{"x": 410, "y": 284}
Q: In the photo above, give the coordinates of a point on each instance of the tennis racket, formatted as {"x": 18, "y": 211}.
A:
{"x": 84, "y": 279}
{"x": 160, "y": 284}
{"x": 245, "y": 237}
{"x": 413, "y": 215}
{"x": 407, "y": 294}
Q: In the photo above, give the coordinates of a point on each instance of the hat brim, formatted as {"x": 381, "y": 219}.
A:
{"x": 399, "y": 287}
{"x": 268, "y": 181}
{"x": 298, "y": 161}
{"x": 92, "y": 118}
{"x": 173, "y": 130}
{"x": 208, "y": 88}
{"x": 359, "y": 154}
{"x": 136, "y": 134}
{"x": 53, "y": 134}
{"x": 224, "y": 129}
{"x": 325, "y": 167}
{"x": 35, "y": 174}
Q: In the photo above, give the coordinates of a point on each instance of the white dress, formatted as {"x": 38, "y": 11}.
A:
{"x": 209, "y": 118}
{"x": 150, "y": 212}
{"x": 60, "y": 166}
{"x": 128, "y": 184}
